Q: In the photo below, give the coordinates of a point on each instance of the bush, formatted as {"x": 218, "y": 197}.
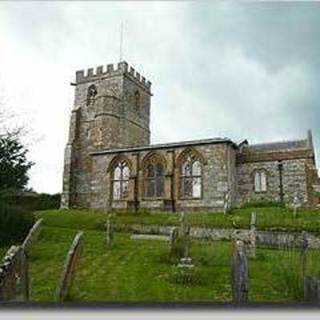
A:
{"x": 48, "y": 201}
{"x": 34, "y": 202}
{"x": 15, "y": 223}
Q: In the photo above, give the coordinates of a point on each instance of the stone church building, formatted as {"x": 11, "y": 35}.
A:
{"x": 110, "y": 163}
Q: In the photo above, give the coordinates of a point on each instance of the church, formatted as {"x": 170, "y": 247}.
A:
{"x": 109, "y": 163}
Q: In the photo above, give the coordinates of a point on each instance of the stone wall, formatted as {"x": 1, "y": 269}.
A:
{"x": 218, "y": 176}
{"x": 273, "y": 239}
{"x": 294, "y": 181}
{"x": 298, "y": 167}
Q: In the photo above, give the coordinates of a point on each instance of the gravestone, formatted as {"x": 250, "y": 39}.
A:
{"x": 149, "y": 237}
{"x": 174, "y": 233}
{"x": 14, "y": 284}
{"x": 304, "y": 249}
{"x": 252, "y": 236}
{"x": 70, "y": 265}
{"x": 239, "y": 273}
{"x": 184, "y": 234}
{"x": 32, "y": 236}
{"x": 295, "y": 204}
{"x": 226, "y": 205}
{"x": 311, "y": 289}
{"x": 109, "y": 232}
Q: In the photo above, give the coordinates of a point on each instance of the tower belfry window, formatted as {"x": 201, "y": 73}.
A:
{"x": 92, "y": 92}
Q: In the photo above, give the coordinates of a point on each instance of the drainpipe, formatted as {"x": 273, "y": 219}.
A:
{"x": 280, "y": 168}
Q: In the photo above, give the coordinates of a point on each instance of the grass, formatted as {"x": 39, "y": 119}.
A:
{"x": 268, "y": 218}
{"x": 141, "y": 270}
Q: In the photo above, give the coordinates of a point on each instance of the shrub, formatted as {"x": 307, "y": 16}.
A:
{"x": 15, "y": 223}
{"x": 48, "y": 201}
{"x": 34, "y": 202}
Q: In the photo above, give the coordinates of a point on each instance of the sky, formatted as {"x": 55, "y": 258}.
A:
{"x": 242, "y": 70}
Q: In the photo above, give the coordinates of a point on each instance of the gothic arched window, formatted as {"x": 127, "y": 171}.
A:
{"x": 120, "y": 181}
{"x": 92, "y": 92}
{"x": 154, "y": 180}
{"x": 191, "y": 178}
{"x": 260, "y": 181}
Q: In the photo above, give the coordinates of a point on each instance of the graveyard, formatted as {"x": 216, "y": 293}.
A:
{"x": 266, "y": 254}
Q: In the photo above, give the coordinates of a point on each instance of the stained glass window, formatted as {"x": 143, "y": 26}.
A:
{"x": 154, "y": 180}
{"x": 120, "y": 181}
{"x": 191, "y": 178}
{"x": 260, "y": 181}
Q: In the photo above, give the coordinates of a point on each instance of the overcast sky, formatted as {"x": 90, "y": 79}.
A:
{"x": 237, "y": 70}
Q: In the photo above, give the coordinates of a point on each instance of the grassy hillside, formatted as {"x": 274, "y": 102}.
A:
{"x": 269, "y": 218}
{"x": 141, "y": 271}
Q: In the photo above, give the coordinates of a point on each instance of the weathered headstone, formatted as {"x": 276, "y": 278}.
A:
{"x": 174, "y": 233}
{"x": 184, "y": 234}
{"x": 311, "y": 289}
{"x": 32, "y": 236}
{"x": 70, "y": 267}
{"x": 304, "y": 249}
{"x": 253, "y": 221}
{"x": 296, "y": 204}
{"x": 252, "y": 236}
{"x": 149, "y": 237}
{"x": 109, "y": 233}
{"x": 239, "y": 273}
{"x": 226, "y": 205}
{"x": 14, "y": 284}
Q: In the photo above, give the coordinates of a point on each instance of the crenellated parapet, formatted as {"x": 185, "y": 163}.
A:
{"x": 110, "y": 70}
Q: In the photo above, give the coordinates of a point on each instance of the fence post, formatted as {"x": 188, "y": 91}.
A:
{"x": 239, "y": 273}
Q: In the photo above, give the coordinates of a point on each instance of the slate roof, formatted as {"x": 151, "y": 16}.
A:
{"x": 282, "y": 145}
{"x": 167, "y": 145}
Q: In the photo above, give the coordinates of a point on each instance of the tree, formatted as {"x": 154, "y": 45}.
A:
{"x": 14, "y": 165}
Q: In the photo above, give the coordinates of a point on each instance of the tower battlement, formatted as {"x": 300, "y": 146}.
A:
{"x": 110, "y": 70}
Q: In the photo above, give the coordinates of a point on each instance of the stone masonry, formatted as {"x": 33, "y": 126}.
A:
{"x": 110, "y": 164}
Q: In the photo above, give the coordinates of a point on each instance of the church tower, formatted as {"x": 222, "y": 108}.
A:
{"x": 111, "y": 110}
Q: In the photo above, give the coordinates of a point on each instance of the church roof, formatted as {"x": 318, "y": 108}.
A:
{"x": 168, "y": 145}
{"x": 277, "y": 146}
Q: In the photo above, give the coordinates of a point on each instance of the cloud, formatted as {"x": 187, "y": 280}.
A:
{"x": 242, "y": 70}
